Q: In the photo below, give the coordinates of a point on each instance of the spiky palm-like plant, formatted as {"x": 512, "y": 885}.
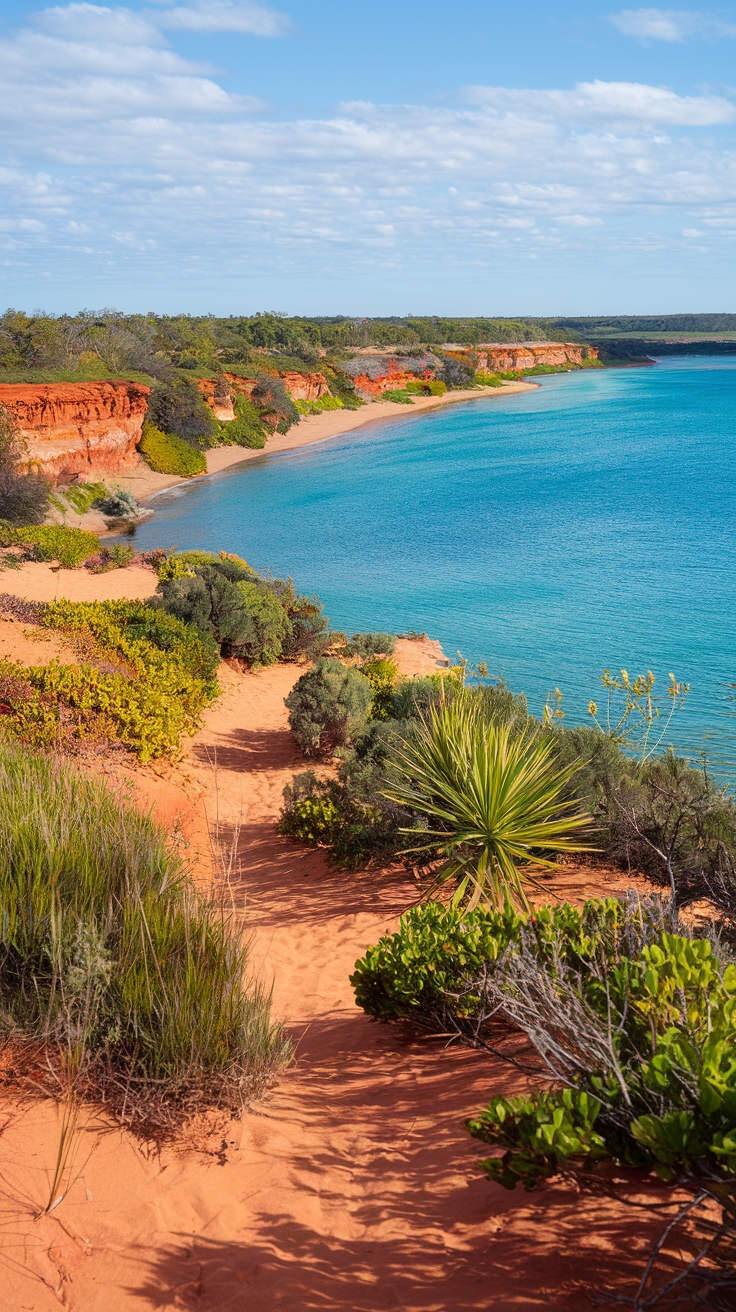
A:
{"x": 498, "y": 802}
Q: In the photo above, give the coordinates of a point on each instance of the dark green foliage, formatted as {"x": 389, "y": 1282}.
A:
{"x": 246, "y": 428}
{"x": 176, "y": 407}
{"x": 368, "y": 645}
{"x": 269, "y": 624}
{"x": 111, "y": 960}
{"x": 24, "y": 496}
{"x": 349, "y": 815}
{"x": 328, "y": 706}
{"x": 120, "y": 503}
{"x": 310, "y": 627}
{"x": 274, "y": 403}
{"x": 455, "y": 373}
{"x": 209, "y": 601}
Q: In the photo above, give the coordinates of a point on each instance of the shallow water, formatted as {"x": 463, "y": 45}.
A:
{"x": 586, "y": 525}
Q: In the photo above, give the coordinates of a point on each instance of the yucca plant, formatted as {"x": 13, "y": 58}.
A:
{"x": 498, "y": 801}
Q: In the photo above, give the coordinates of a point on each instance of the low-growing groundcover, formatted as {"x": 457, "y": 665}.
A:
{"x": 144, "y": 680}
{"x": 632, "y": 1017}
{"x": 116, "y": 975}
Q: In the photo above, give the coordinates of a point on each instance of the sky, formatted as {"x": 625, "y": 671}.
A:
{"x": 403, "y": 157}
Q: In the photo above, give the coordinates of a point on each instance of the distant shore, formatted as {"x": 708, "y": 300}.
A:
{"x": 147, "y": 485}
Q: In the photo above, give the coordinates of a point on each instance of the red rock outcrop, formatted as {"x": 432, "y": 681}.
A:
{"x": 394, "y": 378}
{"x": 305, "y": 387}
{"x": 498, "y": 358}
{"x": 76, "y": 428}
{"x": 218, "y": 396}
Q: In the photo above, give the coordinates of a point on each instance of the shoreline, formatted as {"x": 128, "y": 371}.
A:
{"x": 146, "y": 485}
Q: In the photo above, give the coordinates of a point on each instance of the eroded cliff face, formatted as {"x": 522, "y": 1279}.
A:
{"x": 499, "y": 358}
{"x": 76, "y": 429}
{"x": 305, "y": 387}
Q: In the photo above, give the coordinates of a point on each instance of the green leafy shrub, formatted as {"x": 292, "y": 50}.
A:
{"x": 270, "y": 627}
{"x": 486, "y": 379}
{"x": 367, "y": 645}
{"x": 167, "y": 454}
{"x": 437, "y": 969}
{"x": 246, "y": 429}
{"x": 24, "y": 494}
{"x": 165, "y": 678}
{"x": 70, "y": 546}
{"x": 437, "y": 387}
{"x": 115, "y": 557}
{"x": 382, "y": 674}
{"x": 110, "y": 960}
{"x": 177, "y": 408}
{"x": 399, "y": 394}
{"x": 328, "y": 706}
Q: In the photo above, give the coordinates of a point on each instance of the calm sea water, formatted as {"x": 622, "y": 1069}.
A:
{"x": 589, "y": 524}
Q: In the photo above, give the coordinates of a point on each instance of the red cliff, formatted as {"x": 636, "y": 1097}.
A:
{"x": 77, "y": 428}
{"x": 500, "y": 358}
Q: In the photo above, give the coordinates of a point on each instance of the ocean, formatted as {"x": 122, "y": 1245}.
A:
{"x": 554, "y": 534}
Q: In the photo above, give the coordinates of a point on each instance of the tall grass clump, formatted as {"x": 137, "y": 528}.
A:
{"x": 112, "y": 964}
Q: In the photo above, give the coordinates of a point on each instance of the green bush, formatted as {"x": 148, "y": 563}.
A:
{"x": 246, "y": 428}
{"x": 133, "y": 984}
{"x": 176, "y": 407}
{"x": 437, "y": 387}
{"x": 367, "y": 645}
{"x": 270, "y": 628}
{"x": 166, "y": 677}
{"x": 646, "y": 1044}
{"x": 116, "y": 557}
{"x": 399, "y": 394}
{"x": 486, "y": 379}
{"x": 328, "y": 706}
{"x": 167, "y": 454}
{"x": 70, "y": 546}
{"x": 24, "y": 495}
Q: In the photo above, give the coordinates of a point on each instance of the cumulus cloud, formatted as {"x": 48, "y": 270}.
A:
{"x": 673, "y": 25}
{"x": 114, "y": 139}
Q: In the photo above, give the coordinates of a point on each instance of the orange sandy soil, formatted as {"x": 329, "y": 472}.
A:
{"x": 352, "y": 1187}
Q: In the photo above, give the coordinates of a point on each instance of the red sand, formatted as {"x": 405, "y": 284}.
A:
{"x": 353, "y": 1187}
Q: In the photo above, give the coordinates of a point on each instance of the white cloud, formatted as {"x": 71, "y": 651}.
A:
{"x": 579, "y": 221}
{"x": 692, "y": 232}
{"x": 113, "y": 139}
{"x": 672, "y": 25}
{"x": 622, "y": 102}
{"x": 224, "y": 16}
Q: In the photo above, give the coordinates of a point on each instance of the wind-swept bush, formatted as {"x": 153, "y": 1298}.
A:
{"x": 110, "y": 961}
{"x": 177, "y": 408}
{"x": 246, "y": 429}
{"x": 328, "y": 706}
{"x": 24, "y": 495}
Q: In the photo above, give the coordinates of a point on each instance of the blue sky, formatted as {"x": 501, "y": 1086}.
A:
{"x": 219, "y": 156}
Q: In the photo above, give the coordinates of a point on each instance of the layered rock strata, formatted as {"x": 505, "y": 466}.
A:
{"x": 498, "y": 358}
{"x": 74, "y": 429}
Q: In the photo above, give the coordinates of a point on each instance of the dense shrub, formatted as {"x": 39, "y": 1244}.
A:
{"x": 70, "y": 546}
{"x": 270, "y": 627}
{"x": 349, "y": 815}
{"x": 328, "y": 706}
{"x": 115, "y": 557}
{"x": 24, "y": 495}
{"x": 367, "y": 645}
{"x": 455, "y": 373}
{"x": 162, "y": 676}
{"x": 246, "y": 429}
{"x": 176, "y": 407}
{"x": 274, "y": 403}
{"x": 167, "y": 454}
{"x": 133, "y": 984}
{"x": 119, "y": 503}
{"x": 398, "y": 394}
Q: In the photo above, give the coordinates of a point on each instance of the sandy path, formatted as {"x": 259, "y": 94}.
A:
{"x": 353, "y": 1187}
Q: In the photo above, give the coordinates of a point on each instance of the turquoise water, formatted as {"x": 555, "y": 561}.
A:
{"x": 588, "y": 524}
